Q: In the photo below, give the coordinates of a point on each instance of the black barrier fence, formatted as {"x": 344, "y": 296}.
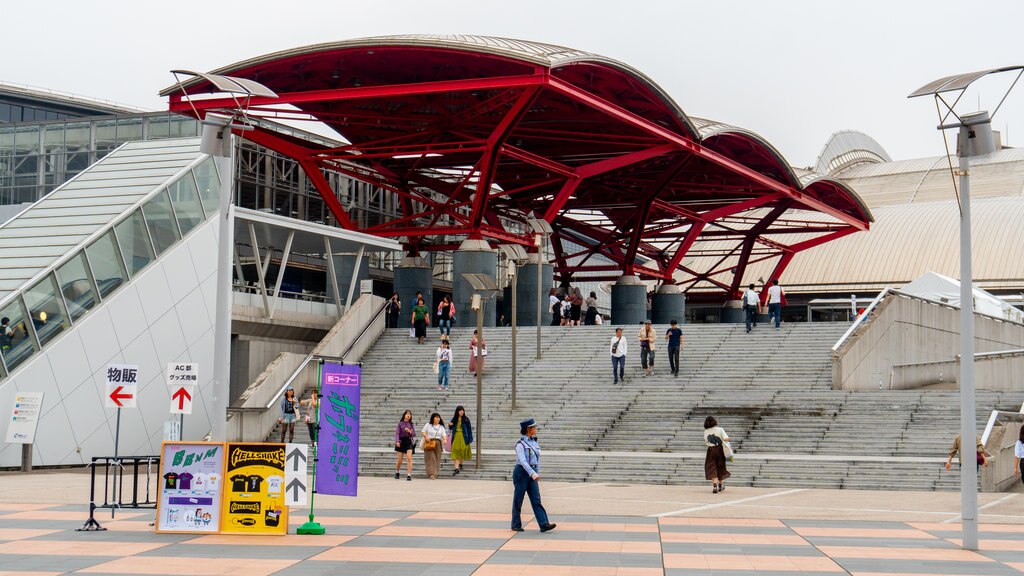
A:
{"x": 141, "y": 470}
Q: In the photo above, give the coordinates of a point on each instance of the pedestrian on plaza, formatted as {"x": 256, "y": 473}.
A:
{"x": 420, "y": 320}
{"x": 567, "y": 309}
{"x": 311, "y": 415}
{"x": 591, "y": 317}
{"x": 555, "y": 304}
{"x": 405, "y": 444}
{"x": 618, "y": 349}
{"x": 1018, "y": 453}
{"x": 576, "y": 307}
{"x": 715, "y": 439}
{"x": 445, "y": 316}
{"x": 289, "y": 414}
{"x": 434, "y": 434}
{"x": 477, "y": 353}
{"x": 394, "y": 310}
{"x": 526, "y": 478}
{"x": 751, "y": 303}
{"x": 444, "y": 364}
{"x": 954, "y": 450}
{"x": 675, "y": 342}
{"x": 462, "y": 439}
{"x": 776, "y": 298}
{"x": 647, "y": 339}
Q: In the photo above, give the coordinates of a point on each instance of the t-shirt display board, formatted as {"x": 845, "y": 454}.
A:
{"x": 191, "y": 479}
{"x": 254, "y": 489}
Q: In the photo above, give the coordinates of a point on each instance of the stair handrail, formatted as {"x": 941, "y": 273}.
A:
{"x": 861, "y": 319}
{"x": 312, "y": 355}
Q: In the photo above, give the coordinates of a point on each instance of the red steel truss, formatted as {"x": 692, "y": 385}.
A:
{"x": 470, "y": 140}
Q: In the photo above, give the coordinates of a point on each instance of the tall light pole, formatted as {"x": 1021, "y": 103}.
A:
{"x": 541, "y": 230}
{"x": 484, "y": 288}
{"x": 515, "y": 255}
{"x": 974, "y": 139}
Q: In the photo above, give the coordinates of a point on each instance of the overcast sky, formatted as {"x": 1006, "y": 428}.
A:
{"x": 794, "y": 72}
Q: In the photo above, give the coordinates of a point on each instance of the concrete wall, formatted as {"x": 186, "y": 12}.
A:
{"x": 250, "y": 356}
{"x": 998, "y": 476}
{"x": 909, "y": 330}
{"x": 1004, "y": 372}
{"x": 164, "y": 314}
{"x": 249, "y": 418}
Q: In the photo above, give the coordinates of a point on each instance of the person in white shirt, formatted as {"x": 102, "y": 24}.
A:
{"x": 618, "y": 348}
{"x": 444, "y": 365}
{"x": 433, "y": 431}
{"x": 775, "y": 302}
{"x": 555, "y": 304}
{"x": 647, "y": 338}
{"x": 715, "y": 439}
{"x": 751, "y": 303}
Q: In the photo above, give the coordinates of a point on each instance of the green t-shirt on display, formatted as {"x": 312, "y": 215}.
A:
{"x": 420, "y": 312}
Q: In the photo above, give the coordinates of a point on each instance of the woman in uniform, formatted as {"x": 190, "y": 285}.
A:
{"x": 526, "y": 479}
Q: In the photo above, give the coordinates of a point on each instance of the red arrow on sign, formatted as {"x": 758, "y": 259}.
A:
{"x": 181, "y": 396}
{"x": 116, "y": 396}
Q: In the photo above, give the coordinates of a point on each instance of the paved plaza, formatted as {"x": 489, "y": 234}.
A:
{"x": 452, "y": 527}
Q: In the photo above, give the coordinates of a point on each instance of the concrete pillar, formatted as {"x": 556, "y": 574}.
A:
{"x": 413, "y": 274}
{"x": 732, "y": 312}
{"x": 526, "y": 295}
{"x": 629, "y": 301}
{"x": 668, "y": 304}
{"x": 472, "y": 257}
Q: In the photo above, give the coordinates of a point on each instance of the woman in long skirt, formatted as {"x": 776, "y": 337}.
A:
{"x": 477, "y": 353}
{"x": 433, "y": 431}
{"x": 714, "y": 463}
{"x": 462, "y": 439}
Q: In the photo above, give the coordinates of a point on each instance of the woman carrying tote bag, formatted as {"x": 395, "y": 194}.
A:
{"x": 434, "y": 433}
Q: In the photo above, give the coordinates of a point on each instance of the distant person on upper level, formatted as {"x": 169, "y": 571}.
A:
{"x": 444, "y": 364}
{"x": 6, "y": 334}
{"x": 394, "y": 310}
{"x": 591, "y": 317}
{"x": 647, "y": 339}
{"x": 576, "y": 307}
{"x": 477, "y": 353}
{"x": 618, "y": 348}
{"x": 751, "y": 303}
{"x": 420, "y": 320}
{"x": 555, "y": 304}
{"x": 445, "y": 316}
{"x": 675, "y": 341}
{"x": 567, "y": 309}
{"x": 776, "y": 299}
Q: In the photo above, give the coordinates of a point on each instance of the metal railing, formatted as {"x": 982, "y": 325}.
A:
{"x": 860, "y": 319}
{"x": 113, "y": 485}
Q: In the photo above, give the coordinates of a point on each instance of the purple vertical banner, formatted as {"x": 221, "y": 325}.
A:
{"x": 337, "y": 470}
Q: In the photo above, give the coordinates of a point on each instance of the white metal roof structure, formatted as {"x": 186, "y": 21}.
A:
{"x": 36, "y": 240}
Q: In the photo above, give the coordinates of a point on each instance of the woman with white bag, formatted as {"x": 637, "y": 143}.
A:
{"x": 717, "y": 441}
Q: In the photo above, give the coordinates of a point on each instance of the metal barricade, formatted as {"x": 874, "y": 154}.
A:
{"x": 143, "y": 470}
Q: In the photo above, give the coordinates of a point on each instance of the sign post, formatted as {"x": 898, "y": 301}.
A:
{"x": 338, "y": 467}
{"x": 295, "y": 476}
{"x": 182, "y": 379}
{"x": 122, "y": 385}
{"x": 313, "y": 527}
{"x": 22, "y": 425}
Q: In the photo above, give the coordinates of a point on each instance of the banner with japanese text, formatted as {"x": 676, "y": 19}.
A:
{"x": 337, "y": 470}
{"x": 190, "y": 487}
{"x": 254, "y": 490}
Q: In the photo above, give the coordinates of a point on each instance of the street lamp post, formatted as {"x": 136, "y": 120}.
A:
{"x": 515, "y": 255}
{"x": 975, "y": 139}
{"x": 541, "y": 230}
{"x": 484, "y": 288}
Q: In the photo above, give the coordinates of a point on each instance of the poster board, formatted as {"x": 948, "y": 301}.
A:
{"x": 337, "y": 470}
{"x": 253, "y": 501}
{"x": 21, "y": 427}
{"x": 191, "y": 481}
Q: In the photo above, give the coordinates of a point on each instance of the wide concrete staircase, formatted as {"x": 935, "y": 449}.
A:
{"x": 770, "y": 390}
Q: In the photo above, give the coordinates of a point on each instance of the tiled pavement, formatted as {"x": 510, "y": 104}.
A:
{"x": 40, "y": 539}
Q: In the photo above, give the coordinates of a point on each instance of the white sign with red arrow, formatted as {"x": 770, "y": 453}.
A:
{"x": 122, "y": 385}
{"x": 181, "y": 383}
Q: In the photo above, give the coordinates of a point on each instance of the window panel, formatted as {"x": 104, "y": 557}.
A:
{"x": 129, "y": 130}
{"x": 76, "y": 285}
{"x": 107, "y": 266}
{"x": 26, "y": 140}
{"x": 182, "y": 126}
{"x": 46, "y": 310}
{"x": 185, "y": 200}
{"x": 157, "y": 128}
{"x": 209, "y": 185}
{"x": 15, "y": 343}
{"x": 133, "y": 239}
{"x": 160, "y": 221}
